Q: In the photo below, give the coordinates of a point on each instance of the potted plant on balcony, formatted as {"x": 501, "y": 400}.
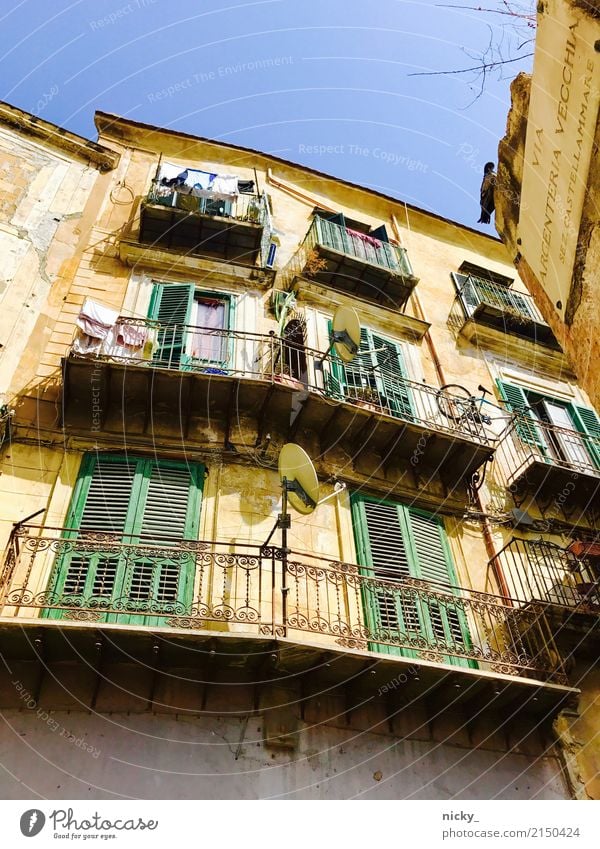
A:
{"x": 367, "y": 398}
{"x": 287, "y": 379}
{"x": 314, "y": 264}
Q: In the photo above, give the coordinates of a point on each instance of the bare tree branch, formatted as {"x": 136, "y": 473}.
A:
{"x": 483, "y": 66}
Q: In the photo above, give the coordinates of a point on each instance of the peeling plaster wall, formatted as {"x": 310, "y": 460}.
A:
{"x": 42, "y": 197}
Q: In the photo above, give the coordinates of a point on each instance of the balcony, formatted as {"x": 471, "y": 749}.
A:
{"x": 353, "y": 263}
{"x": 483, "y": 302}
{"x": 541, "y": 575}
{"x": 234, "y": 230}
{"x": 237, "y": 592}
{"x": 555, "y": 465}
{"x": 219, "y": 386}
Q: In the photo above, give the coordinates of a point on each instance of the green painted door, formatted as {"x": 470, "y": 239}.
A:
{"x": 395, "y": 542}
{"x": 587, "y": 423}
{"x": 148, "y": 507}
{"x": 171, "y": 306}
{"x": 376, "y": 373}
{"x": 526, "y": 428}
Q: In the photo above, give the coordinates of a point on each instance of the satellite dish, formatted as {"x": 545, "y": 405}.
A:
{"x": 346, "y": 333}
{"x": 297, "y": 474}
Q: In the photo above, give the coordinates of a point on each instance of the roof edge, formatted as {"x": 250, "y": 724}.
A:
{"x": 45, "y": 132}
{"x": 107, "y": 123}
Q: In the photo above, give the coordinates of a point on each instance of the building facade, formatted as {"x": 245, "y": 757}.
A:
{"x": 547, "y": 203}
{"x": 427, "y": 632}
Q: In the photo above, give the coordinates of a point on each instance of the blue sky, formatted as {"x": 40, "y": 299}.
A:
{"x": 325, "y": 83}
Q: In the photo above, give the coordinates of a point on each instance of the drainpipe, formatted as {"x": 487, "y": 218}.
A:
{"x": 486, "y": 526}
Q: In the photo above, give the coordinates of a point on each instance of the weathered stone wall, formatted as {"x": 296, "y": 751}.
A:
{"x": 106, "y": 755}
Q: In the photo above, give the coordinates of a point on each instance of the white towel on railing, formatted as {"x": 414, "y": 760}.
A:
{"x": 84, "y": 344}
{"x": 95, "y": 319}
{"x": 132, "y": 335}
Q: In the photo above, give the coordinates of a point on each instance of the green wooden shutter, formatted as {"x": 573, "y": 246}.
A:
{"x": 169, "y": 501}
{"x": 345, "y": 381}
{"x": 525, "y": 423}
{"x": 395, "y": 542}
{"x": 168, "y": 511}
{"x": 433, "y": 562}
{"x": 390, "y": 610}
{"x": 108, "y": 498}
{"x": 392, "y": 374}
{"x": 140, "y": 501}
{"x": 587, "y": 422}
{"x": 170, "y": 305}
{"x": 102, "y": 503}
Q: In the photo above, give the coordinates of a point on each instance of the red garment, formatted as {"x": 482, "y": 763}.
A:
{"x": 370, "y": 240}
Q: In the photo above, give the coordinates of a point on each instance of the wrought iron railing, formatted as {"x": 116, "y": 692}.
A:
{"x": 542, "y": 571}
{"x": 474, "y": 291}
{"x": 205, "y": 585}
{"x": 266, "y": 357}
{"x": 358, "y": 245}
{"x": 528, "y": 440}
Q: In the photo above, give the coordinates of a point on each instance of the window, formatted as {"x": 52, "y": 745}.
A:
{"x": 377, "y": 375}
{"x": 395, "y": 542}
{"x": 147, "y": 506}
{"x": 557, "y": 430}
{"x": 193, "y": 326}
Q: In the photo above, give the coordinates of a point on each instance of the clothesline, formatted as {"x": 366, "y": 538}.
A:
{"x": 200, "y": 183}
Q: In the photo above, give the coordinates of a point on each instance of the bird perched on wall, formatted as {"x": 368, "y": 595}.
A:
{"x": 486, "y": 196}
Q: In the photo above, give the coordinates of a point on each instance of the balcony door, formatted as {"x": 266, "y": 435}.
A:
{"x": 376, "y": 375}
{"x": 557, "y": 431}
{"x": 395, "y": 544}
{"x": 193, "y": 327}
{"x": 122, "y": 548}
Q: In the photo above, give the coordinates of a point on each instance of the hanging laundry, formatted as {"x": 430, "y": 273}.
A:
{"x": 84, "y": 344}
{"x": 246, "y": 187}
{"x": 95, "y": 319}
{"x": 369, "y": 240}
{"x": 175, "y": 182}
{"x": 225, "y": 186}
{"x": 168, "y": 171}
{"x": 132, "y": 335}
{"x": 199, "y": 179}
